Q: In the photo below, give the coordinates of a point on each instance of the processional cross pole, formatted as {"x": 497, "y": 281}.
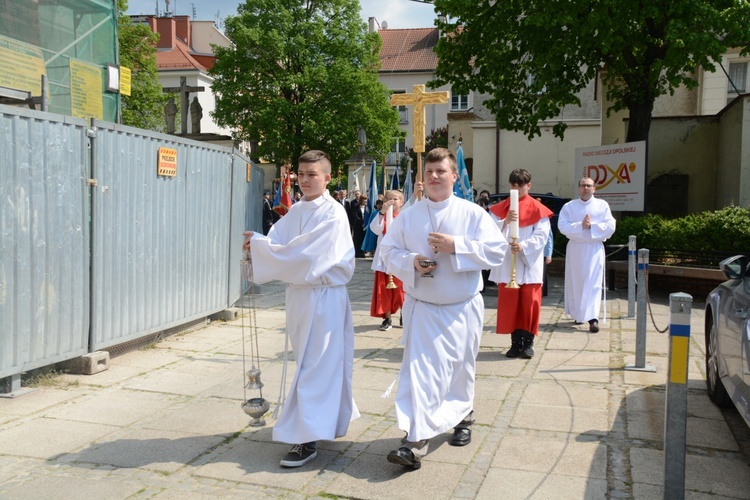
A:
{"x": 419, "y": 98}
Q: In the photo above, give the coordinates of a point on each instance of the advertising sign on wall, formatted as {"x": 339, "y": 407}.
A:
{"x": 618, "y": 172}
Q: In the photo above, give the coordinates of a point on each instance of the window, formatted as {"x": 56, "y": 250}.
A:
{"x": 459, "y": 102}
{"x": 738, "y": 78}
{"x": 403, "y": 111}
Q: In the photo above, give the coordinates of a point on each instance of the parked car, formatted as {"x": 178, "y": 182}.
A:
{"x": 554, "y": 203}
{"x": 728, "y": 337}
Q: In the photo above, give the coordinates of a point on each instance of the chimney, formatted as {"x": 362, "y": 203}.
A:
{"x": 166, "y": 28}
{"x": 184, "y": 29}
{"x": 372, "y": 24}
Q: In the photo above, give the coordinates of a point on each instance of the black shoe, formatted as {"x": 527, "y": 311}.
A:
{"x": 386, "y": 325}
{"x": 400, "y": 320}
{"x": 593, "y": 326}
{"x": 527, "y": 350}
{"x": 516, "y": 344}
{"x": 405, "y": 457}
{"x": 299, "y": 455}
{"x": 461, "y": 437}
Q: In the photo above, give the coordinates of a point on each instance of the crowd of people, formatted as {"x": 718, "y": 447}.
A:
{"x": 428, "y": 262}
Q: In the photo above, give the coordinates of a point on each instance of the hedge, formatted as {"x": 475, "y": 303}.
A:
{"x": 725, "y": 230}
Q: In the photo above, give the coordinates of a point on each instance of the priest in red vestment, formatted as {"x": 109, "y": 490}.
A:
{"x": 518, "y": 309}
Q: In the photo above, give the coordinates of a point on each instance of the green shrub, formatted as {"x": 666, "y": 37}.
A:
{"x": 725, "y": 230}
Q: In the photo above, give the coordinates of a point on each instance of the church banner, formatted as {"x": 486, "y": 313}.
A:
{"x": 618, "y": 172}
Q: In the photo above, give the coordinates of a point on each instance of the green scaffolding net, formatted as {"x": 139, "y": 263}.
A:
{"x": 73, "y": 43}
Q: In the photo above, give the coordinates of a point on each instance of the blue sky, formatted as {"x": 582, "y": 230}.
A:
{"x": 398, "y": 13}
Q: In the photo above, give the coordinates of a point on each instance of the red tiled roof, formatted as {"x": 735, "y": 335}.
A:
{"x": 408, "y": 49}
{"x": 178, "y": 57}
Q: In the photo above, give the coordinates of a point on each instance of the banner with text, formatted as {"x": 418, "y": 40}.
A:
{"x": 21, "y": 66}
{"x": 618, "y": 172}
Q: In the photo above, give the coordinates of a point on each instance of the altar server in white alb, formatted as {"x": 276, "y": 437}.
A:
{"x": 443, "y": 315}
{"x": 588, "y": 223}
{"x": 310, "y": 249}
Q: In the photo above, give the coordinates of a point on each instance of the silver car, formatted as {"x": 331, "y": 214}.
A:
{"x": 728, "y": 337}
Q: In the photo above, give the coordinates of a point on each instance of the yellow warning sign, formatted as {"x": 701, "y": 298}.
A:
{"x": 167, "y": 163}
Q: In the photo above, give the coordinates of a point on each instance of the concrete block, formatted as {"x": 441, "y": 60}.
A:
{"x": 226, "y": 315}
{"x": 88, "y": 364}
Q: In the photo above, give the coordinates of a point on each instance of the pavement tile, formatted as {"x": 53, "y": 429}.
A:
{"x": 509, "y": 483}
{"x": 40, "y": 399}
{"x": 566, "y": 394}
{"x": 561, "y": 419}
{"x": 157, "y": 450}
{"x": 113, "y": 407}
{"x": 73, "y": 488}
{"x": 373, "y": 477}
{"x": 50, "y": 437}
{"x": 566, "y": 456}
{"x": 166, "y": 421}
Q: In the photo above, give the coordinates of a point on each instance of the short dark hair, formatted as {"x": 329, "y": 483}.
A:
{"x": 439, "y": 154}
{"x": 520, "y": 177}
{"x": 315, "y": 156}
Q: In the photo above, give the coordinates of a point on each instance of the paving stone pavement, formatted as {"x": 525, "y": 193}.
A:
{"x": 166, "y": 421}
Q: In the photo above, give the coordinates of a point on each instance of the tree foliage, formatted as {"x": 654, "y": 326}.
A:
{"x": 303, "y": 74}
{"x": 534, "y": 56}
{"x": 144, "y": 107}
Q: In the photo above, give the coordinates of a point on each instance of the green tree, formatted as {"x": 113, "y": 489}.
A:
{"x": 144, "y": 107}
{"x": 534, "y": 56}
{"x": 302, "y": 74}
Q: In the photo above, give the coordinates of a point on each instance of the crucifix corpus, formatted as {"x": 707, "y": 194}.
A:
{"x": 418, "y": 98}
{"x": 184, "y": 92}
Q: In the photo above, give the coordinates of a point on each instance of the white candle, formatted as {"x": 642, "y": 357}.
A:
{"x": 514, "y": 207}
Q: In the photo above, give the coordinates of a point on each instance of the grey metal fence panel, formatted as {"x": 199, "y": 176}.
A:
{"x": 44, "y": 239}
{"x": 247, "y": 193}
{"x": 208, "y": 210}
{"x": 160, "y": 243}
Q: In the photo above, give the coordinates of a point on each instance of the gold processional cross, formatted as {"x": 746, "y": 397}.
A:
{"x": 418, "y": 98}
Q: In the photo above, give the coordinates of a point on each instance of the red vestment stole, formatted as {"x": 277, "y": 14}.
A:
{"x": 518, "y": 309}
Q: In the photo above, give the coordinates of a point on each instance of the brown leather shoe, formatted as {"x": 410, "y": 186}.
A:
{"x": 593, "y": 326}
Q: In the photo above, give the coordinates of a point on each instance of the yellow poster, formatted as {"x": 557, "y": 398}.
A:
{"x": 125, "y": 79}
{"x": 21, "y": 66}
{"x": 86, "y": 90}
{"x": 167, "y": 162}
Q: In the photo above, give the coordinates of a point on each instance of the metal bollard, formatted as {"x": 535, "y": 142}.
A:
{"x": 631, "y": 276}
{"x": 640, "y": 321}
{"x": 675, "y": 420}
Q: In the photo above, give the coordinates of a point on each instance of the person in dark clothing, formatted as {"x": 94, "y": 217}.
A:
{"x": 268, "y": 218}
{"x": 359, "y": 216}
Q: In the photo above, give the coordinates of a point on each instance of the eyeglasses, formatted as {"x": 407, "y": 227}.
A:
{"x": 585, "y": 185}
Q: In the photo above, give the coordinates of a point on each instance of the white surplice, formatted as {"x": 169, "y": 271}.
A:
{"x": 311, "y": 249}
{"x": 443, "y": 316}
{"x": 584, "y": 256}
{"x": 530, "y": 262}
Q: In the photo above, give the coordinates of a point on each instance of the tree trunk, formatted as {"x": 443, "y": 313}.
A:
{"x": 639, "y": 123}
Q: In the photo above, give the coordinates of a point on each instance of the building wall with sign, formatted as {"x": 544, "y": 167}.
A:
{"x": 70, "y": 42}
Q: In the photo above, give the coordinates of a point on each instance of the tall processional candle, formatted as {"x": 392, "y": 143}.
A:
{"x": 514, "y": 207}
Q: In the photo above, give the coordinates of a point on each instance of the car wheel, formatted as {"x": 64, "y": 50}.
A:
{"x": 716, "y": 390}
